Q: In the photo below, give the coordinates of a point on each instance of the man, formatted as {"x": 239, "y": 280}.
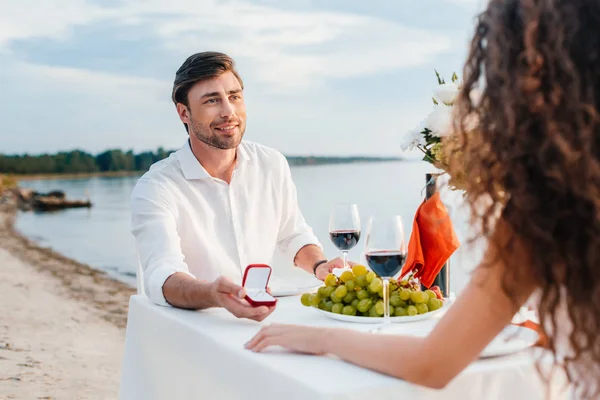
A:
{"x": 218, "y": 204}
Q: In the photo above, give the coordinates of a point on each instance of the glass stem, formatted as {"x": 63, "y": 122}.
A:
{"x": 345, "y": 258}
{"x": 386, "y": 302}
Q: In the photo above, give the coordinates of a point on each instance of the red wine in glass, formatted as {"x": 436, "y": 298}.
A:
{"x": 385, "y": 251}
{"x": 344, "y": 228}
{"x": 344, "y": 240}
{"x": 386, "y": 262}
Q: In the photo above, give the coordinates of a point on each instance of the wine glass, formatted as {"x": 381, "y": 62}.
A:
{"x": 385, "y": 251}
{"x": 344, "y": 228}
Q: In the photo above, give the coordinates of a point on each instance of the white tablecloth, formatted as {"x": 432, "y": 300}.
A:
{"x": 175, "y": 354}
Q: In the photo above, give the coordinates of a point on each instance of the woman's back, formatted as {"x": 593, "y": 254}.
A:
{"x": 536, "y": 153}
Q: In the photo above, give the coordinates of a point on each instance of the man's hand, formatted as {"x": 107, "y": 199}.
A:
{"x": 310, "y": 254}
{"x": 230, "y": 296}
{"x": 324, "y": 269}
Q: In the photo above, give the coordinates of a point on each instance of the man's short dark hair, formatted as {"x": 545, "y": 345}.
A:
{"x": 198, "y": 67}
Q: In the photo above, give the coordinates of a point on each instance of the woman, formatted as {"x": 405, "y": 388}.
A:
{"x": 535, "y": 162}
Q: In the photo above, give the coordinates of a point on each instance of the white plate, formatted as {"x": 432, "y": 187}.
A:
{"x": 512, "y": 339}
{"x": 372, "y": 320}
{"x": 293, "y": 287}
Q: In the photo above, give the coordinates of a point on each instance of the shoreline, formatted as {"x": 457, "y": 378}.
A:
{"x": 306, "y": 162}
{"x": 109, "y": 296}
{"x": 63, "y": 327}
{"x": 82, "y": 175}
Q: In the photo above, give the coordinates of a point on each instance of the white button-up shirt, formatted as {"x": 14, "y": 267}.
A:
{"x": 184, "y": 220}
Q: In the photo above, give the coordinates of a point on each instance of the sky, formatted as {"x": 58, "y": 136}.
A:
{"x": 322, "y": 77}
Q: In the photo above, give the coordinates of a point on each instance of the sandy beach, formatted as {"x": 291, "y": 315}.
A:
{"x": 62, "y": 327}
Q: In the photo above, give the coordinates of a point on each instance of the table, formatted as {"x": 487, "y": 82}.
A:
{"x": 179, "y": 354}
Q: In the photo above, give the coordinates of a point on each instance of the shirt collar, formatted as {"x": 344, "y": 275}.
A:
{"x": 191, "y": 167}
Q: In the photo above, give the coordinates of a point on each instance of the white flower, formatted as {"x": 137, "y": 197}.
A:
{"x": 413, "y": 138}
{"x": 446, "y": 93}
{"x": 439, "y": 121}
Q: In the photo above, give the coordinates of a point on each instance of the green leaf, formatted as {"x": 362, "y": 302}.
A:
{"x": 429, "y": 157}
{"x": 435, "y": 101}
{"x": 439, "y": 78}
{"x": 454, "y": 77}
{"x": 430, "y": 139}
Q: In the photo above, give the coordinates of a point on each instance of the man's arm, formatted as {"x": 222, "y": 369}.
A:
{"x": 310, "y": 255}
{"x": 154, "y": 226}
{"x": 296, "y": 238}
{"x": 183, "y": 291}
{"x": 166, "y": 276}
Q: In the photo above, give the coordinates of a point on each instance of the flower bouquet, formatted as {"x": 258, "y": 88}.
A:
{"x": 435, "y": 132}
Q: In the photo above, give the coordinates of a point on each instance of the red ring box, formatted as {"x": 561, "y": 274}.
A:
{"x": 255, "y": 283}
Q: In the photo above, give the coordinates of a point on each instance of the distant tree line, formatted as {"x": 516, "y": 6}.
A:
{"x": 78, "y": 161}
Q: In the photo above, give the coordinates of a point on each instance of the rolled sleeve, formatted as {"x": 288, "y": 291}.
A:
{"x": 294, "y": 232}
{"x": 153, "y": 224}
{"x": 292, "y": 245}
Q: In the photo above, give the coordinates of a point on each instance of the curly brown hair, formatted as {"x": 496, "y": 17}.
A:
{"x": 534, "y": 159}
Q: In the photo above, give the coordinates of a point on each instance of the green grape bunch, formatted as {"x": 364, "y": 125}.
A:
{"x": 359, "y": 292}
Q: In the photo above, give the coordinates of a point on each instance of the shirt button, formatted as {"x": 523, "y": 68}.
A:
{"x": 236, "y": 228}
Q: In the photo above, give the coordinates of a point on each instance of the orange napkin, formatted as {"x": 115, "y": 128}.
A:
{"x": 432, "y": 241}
{"x": 543, "y": 339}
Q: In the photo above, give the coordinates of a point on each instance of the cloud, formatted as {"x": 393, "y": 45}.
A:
{"x": 24, "y": 19}
{"x": 470, "y": 4}
{"x": 317, "y": 81}
{"x": 283, "y": 49}
{"x": 87, "y": 79}
{"x": 300, "y": 49}
{"x": 47, "y": 109}
{"x": 59, "y": 108}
